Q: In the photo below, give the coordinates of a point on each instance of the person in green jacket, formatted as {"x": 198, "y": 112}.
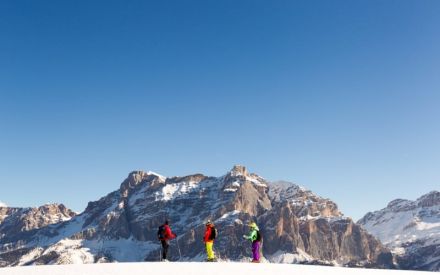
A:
{"x": 255, "y": 237}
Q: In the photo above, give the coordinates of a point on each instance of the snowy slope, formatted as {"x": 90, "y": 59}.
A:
{"x": 404, "y": 221}
{"x": 411, "y": 229}
{"x": 196, "y": 269}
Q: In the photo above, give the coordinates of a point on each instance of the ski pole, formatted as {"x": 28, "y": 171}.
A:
{"x": 178, "y": 248}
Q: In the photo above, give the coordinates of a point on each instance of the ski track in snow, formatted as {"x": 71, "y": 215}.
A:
{"x": 183, "y": 268}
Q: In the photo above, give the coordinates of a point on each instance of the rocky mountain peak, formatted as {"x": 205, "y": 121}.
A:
{"x": 304, "y": 203}
{"x": 239, "y": 170}
{"x": 55, "y": 209}
{"x": 5, "y": 212}
{"x": 398, "y": 205}
{"x": 16, "y": 222}
{"x": 411, "y": 229}
{"x": 430, "y": 199}
{"x": 136, "y": 178}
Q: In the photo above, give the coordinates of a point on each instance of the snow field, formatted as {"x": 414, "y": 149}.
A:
{"x": 185, "y": 268}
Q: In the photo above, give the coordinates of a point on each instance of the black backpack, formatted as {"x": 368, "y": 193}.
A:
{"x": 161, "y": 232}
{"x": 214, "y": 233}
{"x": 259, "y": 237}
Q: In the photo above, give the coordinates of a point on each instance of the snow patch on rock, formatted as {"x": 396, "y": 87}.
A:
{"x": 171, "y": 191}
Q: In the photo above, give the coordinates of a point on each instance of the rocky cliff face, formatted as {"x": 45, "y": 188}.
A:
{"x": 14, "y": 220}
{"x": 305, "y": 227}
{"x": 297, "y": 226}
{"x": 19, "y": 225}
{"x": 411, "y": 229}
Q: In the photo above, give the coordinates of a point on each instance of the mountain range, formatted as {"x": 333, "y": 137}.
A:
{"x": 297, "y": 225}
{"x": 410, "y": 229}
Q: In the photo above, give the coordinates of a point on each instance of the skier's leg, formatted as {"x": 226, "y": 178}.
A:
{"x": 257, "y": 251}
{"x": 212, "y": 251}
{"x": 165, "y": 246}
{"x": 254, "y": 251}
{"x": 209, "y": 251}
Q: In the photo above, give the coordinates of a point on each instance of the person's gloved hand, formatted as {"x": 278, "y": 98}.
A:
{"x": 244, "y": 236}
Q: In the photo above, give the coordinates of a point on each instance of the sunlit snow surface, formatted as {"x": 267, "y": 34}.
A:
{"x": 182, "y": 268}
{"x": 408, "y": 224}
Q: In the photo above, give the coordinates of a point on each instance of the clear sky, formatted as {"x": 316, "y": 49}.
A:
{"x": 342, "y": 97}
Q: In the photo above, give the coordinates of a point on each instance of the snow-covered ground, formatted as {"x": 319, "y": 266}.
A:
{"x": 396, "y": 227}
{"x": 183, "y": 268}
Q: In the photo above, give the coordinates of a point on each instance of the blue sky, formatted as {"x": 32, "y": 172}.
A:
{"x": 341, "y": 97}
